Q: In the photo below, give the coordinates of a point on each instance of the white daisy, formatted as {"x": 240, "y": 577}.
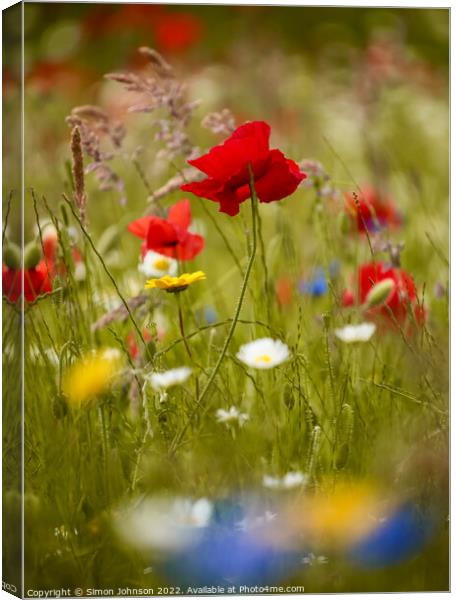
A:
{"x": 289, "y": 481}
{"x": 230, "y": 416}
{"x": 263, "y": 353}
{"x": 356, "y": 333}
{"x": 157, "y": 265}
{"x": 162, "y": 381}
{"x": 163, "y": 523}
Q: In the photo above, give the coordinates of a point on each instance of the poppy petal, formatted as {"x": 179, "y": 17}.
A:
{"x": 281, "y": 179}
{"x": 249, "y": 143}
{"x": 180, "y": 214}
{"x": 140, "y": 227}
{"x": 160, "y": 233}
{"x": 190, "y": 247}
{"x": 208, "y": 188}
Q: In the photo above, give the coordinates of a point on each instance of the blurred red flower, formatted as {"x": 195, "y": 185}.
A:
{"x": 284, "y": 291}
{"x": 169, "y": 236}
{"x": 375, "y": 211}
{"x": 48, "y": 76}
{"x": 401, "y": 302}
{"x": 36, "y": 282}
{"x": 108, "y": 19}
{"x": 227, "y": 167}
{"x": 132, "y": 344}
{"x": 177, "y": 32}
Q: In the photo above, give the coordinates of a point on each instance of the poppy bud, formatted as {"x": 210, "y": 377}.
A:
{"x": 380, "y": 293}
{"x": 32, "y": 255}
{"x": 12, "y": 256}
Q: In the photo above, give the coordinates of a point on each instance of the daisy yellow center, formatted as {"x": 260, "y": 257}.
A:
{"x": 264, "y": 358}
{"x": 161, "y": 264}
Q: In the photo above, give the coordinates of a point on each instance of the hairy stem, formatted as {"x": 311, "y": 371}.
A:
{"x": 243, "y": 290}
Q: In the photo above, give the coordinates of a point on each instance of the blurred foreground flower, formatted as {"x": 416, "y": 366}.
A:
{"x": 154, "y": 264}
{"x": 386, "y": 292}
{"x": 398, "y": 537}
{"x": 91, "y": 376}
{"x": 356, "y": 333}
{"x": 372, "y": 211}
{"x": 339, "y": 517}
{"x": 175, "y": 284}
{"x": 161, "y": 523}
{"x": 170, "y": 236}
{"x": 263, "y": 353}
{"x": 227, "y": 168}
{"x": 237, "y": 547}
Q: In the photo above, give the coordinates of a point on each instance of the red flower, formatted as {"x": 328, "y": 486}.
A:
{"x": 398, "y": 305}
{"x": 48, "y": 76}
{"x": 132, "y": 345}
{"x": 284, "y": 291}
{"x": 36, "y": 282}
{"x": 227, "y": 167}
{"x": 169, "y": 236}
{"x": 375, "y": 212}
{"x": 177, "y": 32}
{"x": 132, "y": 17}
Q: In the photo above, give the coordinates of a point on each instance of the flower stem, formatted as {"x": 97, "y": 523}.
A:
{"x": 186, "y": 344}
{"x": 237, "y": 311}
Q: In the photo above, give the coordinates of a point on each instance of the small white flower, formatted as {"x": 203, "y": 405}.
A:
{"x": 162, "y": 381}
{"x": 232, "y": 415}
{"x": 356, "y": 333}
{"x": 163, "y": 523}
{"x": 289, "y": 481}
{"x": 157, "y": 265}
{"x": 263, "y": 353}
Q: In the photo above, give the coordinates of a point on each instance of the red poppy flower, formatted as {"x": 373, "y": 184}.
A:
{"x": 375, "y": 212}
{"x": 401, "y": 300}
{"x": 227, "y": 167}
{"x": 36, "y": 282}
{"x": 169, "y": 236}
{"x": 177, "y": 32}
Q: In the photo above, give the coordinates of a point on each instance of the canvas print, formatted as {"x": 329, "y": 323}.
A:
{"x": 225, "y": 284}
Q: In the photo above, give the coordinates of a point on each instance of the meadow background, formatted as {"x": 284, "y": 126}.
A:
{"x": 361, "y": 92}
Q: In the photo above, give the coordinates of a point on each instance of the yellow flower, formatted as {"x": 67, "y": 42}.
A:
{"x": 175, "y": 284}
{"x": 340, "y": 516}
{"x": 90, "y": 376}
